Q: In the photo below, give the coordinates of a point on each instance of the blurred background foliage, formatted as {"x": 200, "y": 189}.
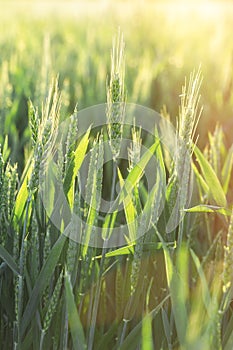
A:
{"x": 164, "y": 42}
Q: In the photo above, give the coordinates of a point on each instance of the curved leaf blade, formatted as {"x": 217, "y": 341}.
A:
{"x": 211, "y": 179}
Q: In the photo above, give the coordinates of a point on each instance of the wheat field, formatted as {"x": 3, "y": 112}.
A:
{"x": 116, "y": 223}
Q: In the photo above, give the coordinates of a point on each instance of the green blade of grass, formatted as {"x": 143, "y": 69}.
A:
{"x": 76, "y": 328}
{"x": 74, "y": 166}
{"x": 130, "y": 211}
{"x": 211, "y": 179}
{"x": 9, "y": 260}
{"x": 166, "y": 327}
{"x": 22, "y": 196}
{"x": 6, "y": 151}
{"x": 118, "y": 252}
{"x": 203, "y": 185}
{"x": 227, "y": 169}
{"x": 42, "y": 281}
{"x": 178, "y": 298}
{"x": 205, "y": 289}
{"x": 204, "y": 208}
{"x": 129, "y": 249}
{"x": 108, "y": 224}
{"x": 91, "y": 218}
{"x": 147, "y": 337}
{"x": 150, "y": 213}
{"x": 137, "y": 171}
{"x": 177, "y": 283}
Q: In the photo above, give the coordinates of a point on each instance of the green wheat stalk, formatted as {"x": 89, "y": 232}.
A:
{"x": 228, "y": 259}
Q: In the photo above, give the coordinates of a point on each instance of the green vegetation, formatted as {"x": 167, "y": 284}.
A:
{"x": 170, "y": 288}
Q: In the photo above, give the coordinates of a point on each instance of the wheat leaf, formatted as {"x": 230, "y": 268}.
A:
{"x": 9, "y": 260}
{"x": 227, "y": 169}
{"x": 76, "y": 328}
{"x": 204, "y": 208}
{"x": 130, "y": 211}
{"x": 22, "y": 195}
{"x": 211, "y": 179}
{"x": 74, "y": 166}
{"x": 42, "y": 281}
